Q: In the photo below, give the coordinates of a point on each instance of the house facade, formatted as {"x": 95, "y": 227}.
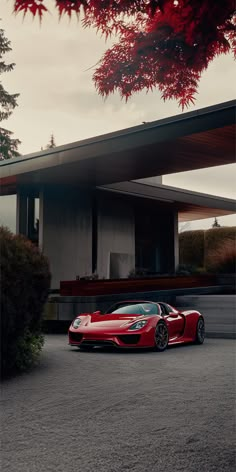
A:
{"x": 102, "y": 205}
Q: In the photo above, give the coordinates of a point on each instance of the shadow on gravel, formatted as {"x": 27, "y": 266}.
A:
{"x": 110, "y": 350}
{"x": 115, "y": 351}
{"x": 18, "y": 375}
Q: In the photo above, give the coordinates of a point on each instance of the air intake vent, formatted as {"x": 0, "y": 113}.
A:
{"x": 75, "y": 336}
{"x": 130, "y": 338}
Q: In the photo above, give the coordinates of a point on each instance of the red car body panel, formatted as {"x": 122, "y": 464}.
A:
{"x": 114, "y": 329}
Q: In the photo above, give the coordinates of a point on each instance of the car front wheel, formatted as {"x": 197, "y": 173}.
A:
{"x": 161, "y": 336}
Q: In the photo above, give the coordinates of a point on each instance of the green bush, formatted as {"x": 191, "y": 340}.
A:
{"x": 185, "y": 269}
{"x": 29, "y": 347}
{"x": 25, "y": 281}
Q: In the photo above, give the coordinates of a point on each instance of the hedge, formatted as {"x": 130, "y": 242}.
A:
{"x": 191, "y": 248}
{"x": 25, "y": 281}
{"x": 196, "y": 247}
{"x": 222, "y": 259}
{"x": 216, "y": 240}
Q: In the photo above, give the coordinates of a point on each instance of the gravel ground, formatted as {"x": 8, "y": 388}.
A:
{"x": 109, "y": 411}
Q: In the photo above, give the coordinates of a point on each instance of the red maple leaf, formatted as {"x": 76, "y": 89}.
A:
{"x": 164, "y": 44}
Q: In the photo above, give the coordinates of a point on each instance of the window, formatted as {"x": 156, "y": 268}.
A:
{"x": 170, "y": 309}
{"x": 138, "y": 308}
{"x": 166, "y": 309}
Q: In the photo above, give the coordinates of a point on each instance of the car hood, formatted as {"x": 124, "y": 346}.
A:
{"x": 107, "y": 321}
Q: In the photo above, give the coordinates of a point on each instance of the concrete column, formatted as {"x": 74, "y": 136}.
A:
{"x": 41, "y": 213}
{"x": 169, "y": 241}
{"x": 65, "y": 232}
{"x": 176, "y": 241}
{"x": 172, "y": 241}
{"x": 21, "y": 214}
{"x": 30, "y": 217}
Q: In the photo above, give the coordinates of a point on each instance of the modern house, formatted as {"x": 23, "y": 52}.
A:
{"x": 102, "y": 204}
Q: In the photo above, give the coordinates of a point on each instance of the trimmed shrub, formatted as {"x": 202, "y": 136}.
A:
{"x": 191, "y": 248}
{"x": 185, "y": 269}
{"x": 137, "y": 273}
{"x": 195, "y": 247}
{"x": 223, "y": 259}
{"x": 216, "y": 238}
{"x": 25, "y": 281}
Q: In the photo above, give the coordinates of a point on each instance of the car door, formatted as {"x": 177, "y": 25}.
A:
{"x": 174, "y": 320}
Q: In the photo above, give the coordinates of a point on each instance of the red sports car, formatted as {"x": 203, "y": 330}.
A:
{"x": 139, "y": 324}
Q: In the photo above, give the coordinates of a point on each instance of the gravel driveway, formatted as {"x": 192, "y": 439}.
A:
{"x": 109, "y": 411}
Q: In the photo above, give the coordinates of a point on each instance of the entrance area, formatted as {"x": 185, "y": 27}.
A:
{"x": 154, "y": 238}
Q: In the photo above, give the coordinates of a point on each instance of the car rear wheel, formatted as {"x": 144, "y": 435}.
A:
{"x": 161, "y": 336}
{"x": 200, "y": 331}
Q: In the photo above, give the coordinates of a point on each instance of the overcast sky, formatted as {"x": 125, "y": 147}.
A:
{"x": 53, "y": 74}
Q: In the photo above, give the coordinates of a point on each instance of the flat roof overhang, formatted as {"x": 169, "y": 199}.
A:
{"x": 189, "y": 205}
{"x": 193, "y": 140}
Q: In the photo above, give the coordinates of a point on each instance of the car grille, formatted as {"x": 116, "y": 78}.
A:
{"x": 130, "y": 338}
{"x": 91, "y": 342}
{"x": 75, "y": 336}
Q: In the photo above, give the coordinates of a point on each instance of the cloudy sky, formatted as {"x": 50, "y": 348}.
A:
{"x": 53, "y": 74}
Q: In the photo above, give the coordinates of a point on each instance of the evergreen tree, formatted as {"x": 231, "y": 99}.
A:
{"x": 8, "y": 145}
{"x": 216, "y": 224}
{"x": 51, "y": 143}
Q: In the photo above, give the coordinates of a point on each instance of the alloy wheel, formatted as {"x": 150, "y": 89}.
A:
{"x": 161, "y": 337}
{"x": 200, "y": 331}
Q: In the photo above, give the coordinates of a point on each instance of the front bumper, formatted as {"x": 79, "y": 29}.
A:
{"x": 121, "y": 340}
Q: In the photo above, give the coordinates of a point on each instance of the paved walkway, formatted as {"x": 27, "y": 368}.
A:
{"x": 122, "y": 412}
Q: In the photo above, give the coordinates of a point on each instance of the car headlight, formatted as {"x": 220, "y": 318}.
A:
{"x": 76, "y": 323}
{"x": 138, "y": 324}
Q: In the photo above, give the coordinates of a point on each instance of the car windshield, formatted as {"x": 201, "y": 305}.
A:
{"x": 135, "y": 309}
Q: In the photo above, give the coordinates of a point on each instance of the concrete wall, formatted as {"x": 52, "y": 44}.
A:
{"x": 115, "y": 234}
{"x": 80, "y": 234}
{"x": 65, "y": 232}
{"x": 219, "y": 312}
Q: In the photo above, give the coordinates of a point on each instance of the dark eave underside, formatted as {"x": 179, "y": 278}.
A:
{"x": 189, "y": 205}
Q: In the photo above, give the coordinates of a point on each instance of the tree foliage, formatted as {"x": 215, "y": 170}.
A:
{"x": 164, "y": 44}
{"x": 8, "y": 145}
{"x": 25, "y": 281}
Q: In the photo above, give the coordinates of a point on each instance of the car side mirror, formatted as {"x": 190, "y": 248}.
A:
{"x": 174, "y": 315}
{"x": 97, "y": 312}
